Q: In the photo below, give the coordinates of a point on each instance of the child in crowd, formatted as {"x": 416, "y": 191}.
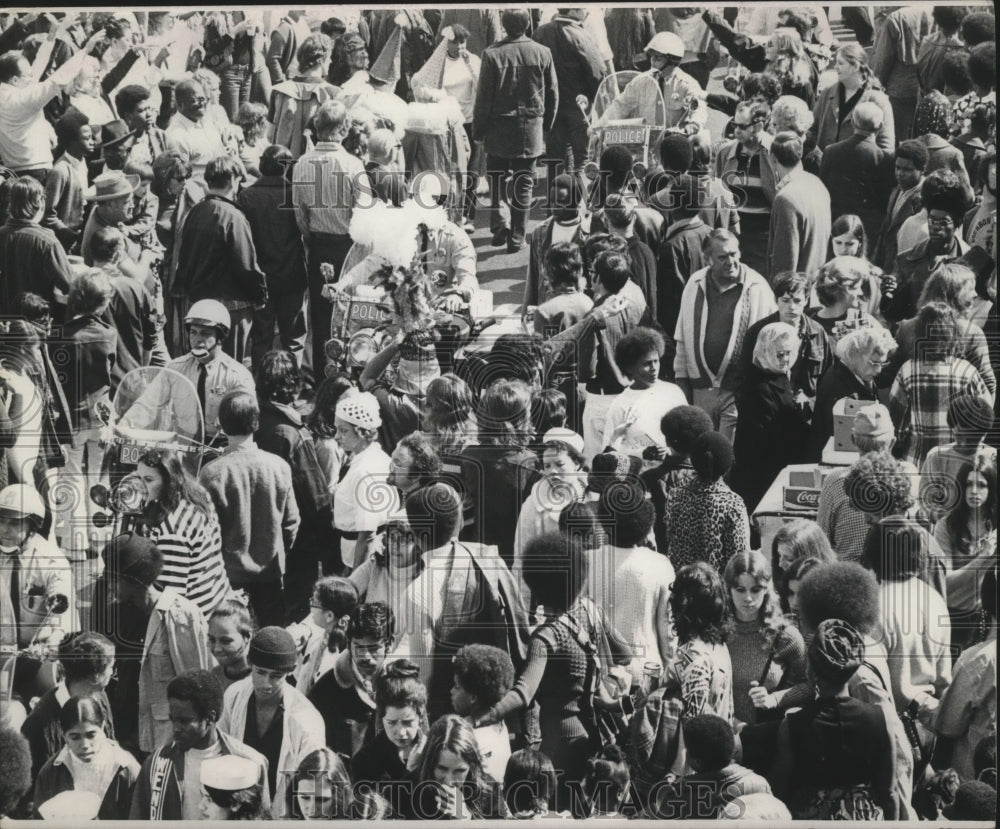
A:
{"x": 529, "y": 785}
{"x": 90, "y": 761}
{"x": 345, "y": 695}
{"x": 715, "y": 779}
{"x": 483, "y": 674}
{"x": 332, "y": 601}
{"x": 230, "y": 629}
{"x": 633, "y": 422}
{"x": 401, "y": 716}
{"x": 607, "y": 782}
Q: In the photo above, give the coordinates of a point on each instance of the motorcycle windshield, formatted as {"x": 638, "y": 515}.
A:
{"x": 158, "y": 407}
{"x": 644, "y": 107}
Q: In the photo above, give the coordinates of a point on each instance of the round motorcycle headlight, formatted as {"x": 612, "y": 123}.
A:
{"x": 591, "y": 170}
{"x": 334, "y": 350}
{"x": 129, "y": 496}
{"x": 361, "y": 349}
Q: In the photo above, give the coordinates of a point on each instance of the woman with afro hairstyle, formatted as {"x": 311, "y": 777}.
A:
{"x": 681, "y": 426}
{"x": 705, "y": 519}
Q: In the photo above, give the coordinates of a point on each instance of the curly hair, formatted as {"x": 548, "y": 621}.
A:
{"x": 425, "y": 461}
{"x": 15, "y": 769}
{"x": 203, "y": 689}
{"x": 581, "y": 525}
{"x": 637, "y": 344}
{"x": 85, "y": 655}
{"x": 699, "y": 605}
{"x": 763, "y": 84}
{"x": 710, "y": 741}
{"x": 554, "y": 570}
{"x": 485, "y": 672}
{"x": 879, "y": 485}
{"x": 839, "y": 590}
{"x": 371, "y": 620}
{"x": 313, "y": 51}
{"x": 626, "y": 513}
{"x": 682, "y": 426}
{"x": 943, "y": 190}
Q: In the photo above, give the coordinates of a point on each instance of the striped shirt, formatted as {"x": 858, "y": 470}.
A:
{"x": 327, "y": 185}
{"x": 191, "y": 546}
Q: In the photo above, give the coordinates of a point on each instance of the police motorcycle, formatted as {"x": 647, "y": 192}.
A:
{"x": 631, "y": 111}
{"x": 372, "y": 303}
{"x": 154, "y": 409}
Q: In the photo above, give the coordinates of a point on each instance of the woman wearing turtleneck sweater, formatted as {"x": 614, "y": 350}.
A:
{"x": 766, "y": 650}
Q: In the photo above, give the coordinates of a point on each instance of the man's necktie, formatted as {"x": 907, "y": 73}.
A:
{"x": 202, "y": 380}
{"x": 15, "y": 588}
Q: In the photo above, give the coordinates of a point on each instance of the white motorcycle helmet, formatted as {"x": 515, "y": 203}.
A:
{"x": 210, "y": 312}
{"x": 667, "y": 44}
{"x": 22, "y": 501}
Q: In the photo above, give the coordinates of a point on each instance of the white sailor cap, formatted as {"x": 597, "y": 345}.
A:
{"x": 229, "y": 773}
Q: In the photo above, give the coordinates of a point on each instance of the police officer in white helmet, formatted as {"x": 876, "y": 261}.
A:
{"x": 683, "y": 96}
{"x": 37, "y": 601}
{"x": 212, "y": 372}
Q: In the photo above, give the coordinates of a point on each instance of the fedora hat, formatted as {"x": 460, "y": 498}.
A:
{"x": 111, "y": 185}
{"x": 114, "y": 132}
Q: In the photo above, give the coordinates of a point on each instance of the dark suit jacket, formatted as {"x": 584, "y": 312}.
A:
{"x": 517, "y": 98}
{"x": 886, "y": 250}
{"x": 856, "y": 171}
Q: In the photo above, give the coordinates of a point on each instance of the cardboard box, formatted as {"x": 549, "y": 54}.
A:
{"x": 843, "y": 422}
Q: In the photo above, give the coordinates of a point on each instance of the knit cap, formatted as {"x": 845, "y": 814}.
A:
{"x": 273, "y": 649}
{"x": 360, "y": 410}
{"x": 133, "y": 557}
{"x": 610, "y": 467}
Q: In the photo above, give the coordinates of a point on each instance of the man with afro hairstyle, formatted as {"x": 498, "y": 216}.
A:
{"x": 483, "y": 674}
{"x": 847, "y": 591}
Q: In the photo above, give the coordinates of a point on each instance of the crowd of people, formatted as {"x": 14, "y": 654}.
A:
{"x": 526, "y": 580}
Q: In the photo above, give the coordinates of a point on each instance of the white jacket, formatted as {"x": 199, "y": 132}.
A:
{"x": 303, "y": 729}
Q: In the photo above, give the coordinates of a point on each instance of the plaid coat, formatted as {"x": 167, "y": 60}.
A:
{"x": 919, "y": 402}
